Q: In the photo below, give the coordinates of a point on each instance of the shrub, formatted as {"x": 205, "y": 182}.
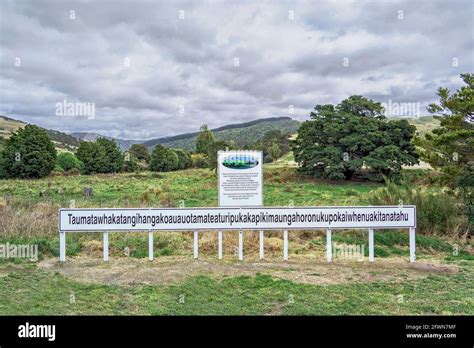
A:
{"x": 163, "y": 159}
{"x": 438, "y": 212}
{"x": 199, "y": 160}
{"x": 68, "y": 161}
{"x": 184, "y": 159}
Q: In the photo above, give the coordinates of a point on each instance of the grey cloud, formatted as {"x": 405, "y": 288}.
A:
{"x": 189, "y": 62}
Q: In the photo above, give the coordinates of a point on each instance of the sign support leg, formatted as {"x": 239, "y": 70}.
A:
{"x": 412, "y": 245}
{"x": 285, "y": 245}
{"x": 150, "y": 246}
{"x": 106, "y": 246}
{"x": 371, "y": 245}
{"x": 328, "y": 246}
{"x": 261, "y": 244}
{"x": 219, "y": 246}
{"x": 62, "y": 246}
{"x": 196, "y": 236}
{"x": 241, "y": 245}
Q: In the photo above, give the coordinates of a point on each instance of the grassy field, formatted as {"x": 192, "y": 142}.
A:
{"x": 176, "y": 284}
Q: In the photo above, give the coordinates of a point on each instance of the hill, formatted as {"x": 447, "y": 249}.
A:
{"x": 63, "y": 141}
{"x": 242, "y": 133}
{"x": 124, "y": 144}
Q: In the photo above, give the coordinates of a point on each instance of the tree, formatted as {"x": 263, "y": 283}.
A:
{"x": 274, "y": 150}
{"x": 204, "y": 140}
{"x": 450, "y": 147}
{"x": 163, "y": 159}
{"x": 101, "y": 156}
{"x": 67, "y": 161}
{"x": 113, "y": 157}
{"x": 28, "y": 153}
{"x": 140, "y": 152}
{"x": 92, "y": 155}
{"x": 130, "y": 163}
{"x": 184, "y": 159}
{"x": 213, "y": 149}
{"x": 342, "y": 139}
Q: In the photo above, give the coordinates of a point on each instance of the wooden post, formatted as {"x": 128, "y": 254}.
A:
{"x": 150, "y": 246}
{"x": 62, "y": 246}
{"x": 285, "y": 245}
{"x": 371, "y": 245}
{"x": 106, "y": 246}
{"x": 261, "y": 245}
{"x": 328, "y": 245}
{"x": 219, "y": 244}
{"x": 196, "y": 252}
{"x": 412, "y": 245}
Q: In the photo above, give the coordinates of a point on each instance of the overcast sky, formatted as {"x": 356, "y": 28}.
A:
{"x": 162, "y": 68}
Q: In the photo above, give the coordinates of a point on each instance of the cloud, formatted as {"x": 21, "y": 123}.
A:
{"x": 163, "y": 68}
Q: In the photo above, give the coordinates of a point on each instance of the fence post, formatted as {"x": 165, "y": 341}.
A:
{"x": 412, "y": 245}
{"x": 371, "y": 245}
{"x": 150, "y": 246}
{"x": 241, "y": 245}
{"x": 196, "y": 252}
{"x": 219, "y": 244}
{"x": 328, "y": 245}
{"x": 62, "y": 246}
{"x": 261, "y": 244}
{"x": 106, "y": 246}
{"x": 285, "y": 245}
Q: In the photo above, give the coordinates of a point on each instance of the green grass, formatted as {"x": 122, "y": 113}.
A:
{"x": 195, "y": 187}
{"x": 32, "y": 291}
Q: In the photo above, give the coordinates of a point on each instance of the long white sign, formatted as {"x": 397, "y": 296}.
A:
{"x": 240, "y": 178}
{"x": 105, "y": 219}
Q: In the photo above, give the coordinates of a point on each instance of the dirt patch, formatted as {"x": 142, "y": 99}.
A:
{"x": 300, "y": 269}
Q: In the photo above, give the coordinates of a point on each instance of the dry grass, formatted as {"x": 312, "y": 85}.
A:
{"x": 26, "y": 220}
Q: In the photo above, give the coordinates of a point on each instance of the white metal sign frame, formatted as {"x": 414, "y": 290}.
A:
{"x": 410, "y": 224}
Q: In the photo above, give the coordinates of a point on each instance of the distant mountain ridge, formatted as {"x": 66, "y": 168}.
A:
{"x": 241, "y": 133}
{"x": 62, "y": 141}
{"x": 123, "y": 144}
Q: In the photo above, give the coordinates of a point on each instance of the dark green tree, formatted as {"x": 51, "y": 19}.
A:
{"x": 163, "y": 159}
{"x": 184, "y": 159}
{"x": 113, "y": 157}
{"x": 450, "y": 147}
{"x": 140, "y": 152}
{"x": 204, "y": 140}
{"x": 130, "y": 163}
{"x": 340, "y": 140}
{"x": 92, "y": 155}
{"x": 213, "y": 149}
{"x": 101, "y": 156}
{"x": 28, "y": 153}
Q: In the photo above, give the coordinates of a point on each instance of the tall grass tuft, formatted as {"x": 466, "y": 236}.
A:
{"x": 439, "y": 212}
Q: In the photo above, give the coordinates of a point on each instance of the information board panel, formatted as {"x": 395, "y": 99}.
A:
{"x": 240, "y": 178}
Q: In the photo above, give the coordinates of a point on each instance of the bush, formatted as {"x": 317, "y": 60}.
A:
{"x": 199, "y": 160}
{"x": 67, "y": 161}
{"x": 163, "y": 159}
{"x": 184, "y": 159}
{"x": 438, "y": 212}
{"x": 268, "y": 159}
{"x": 101, "y": 156}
